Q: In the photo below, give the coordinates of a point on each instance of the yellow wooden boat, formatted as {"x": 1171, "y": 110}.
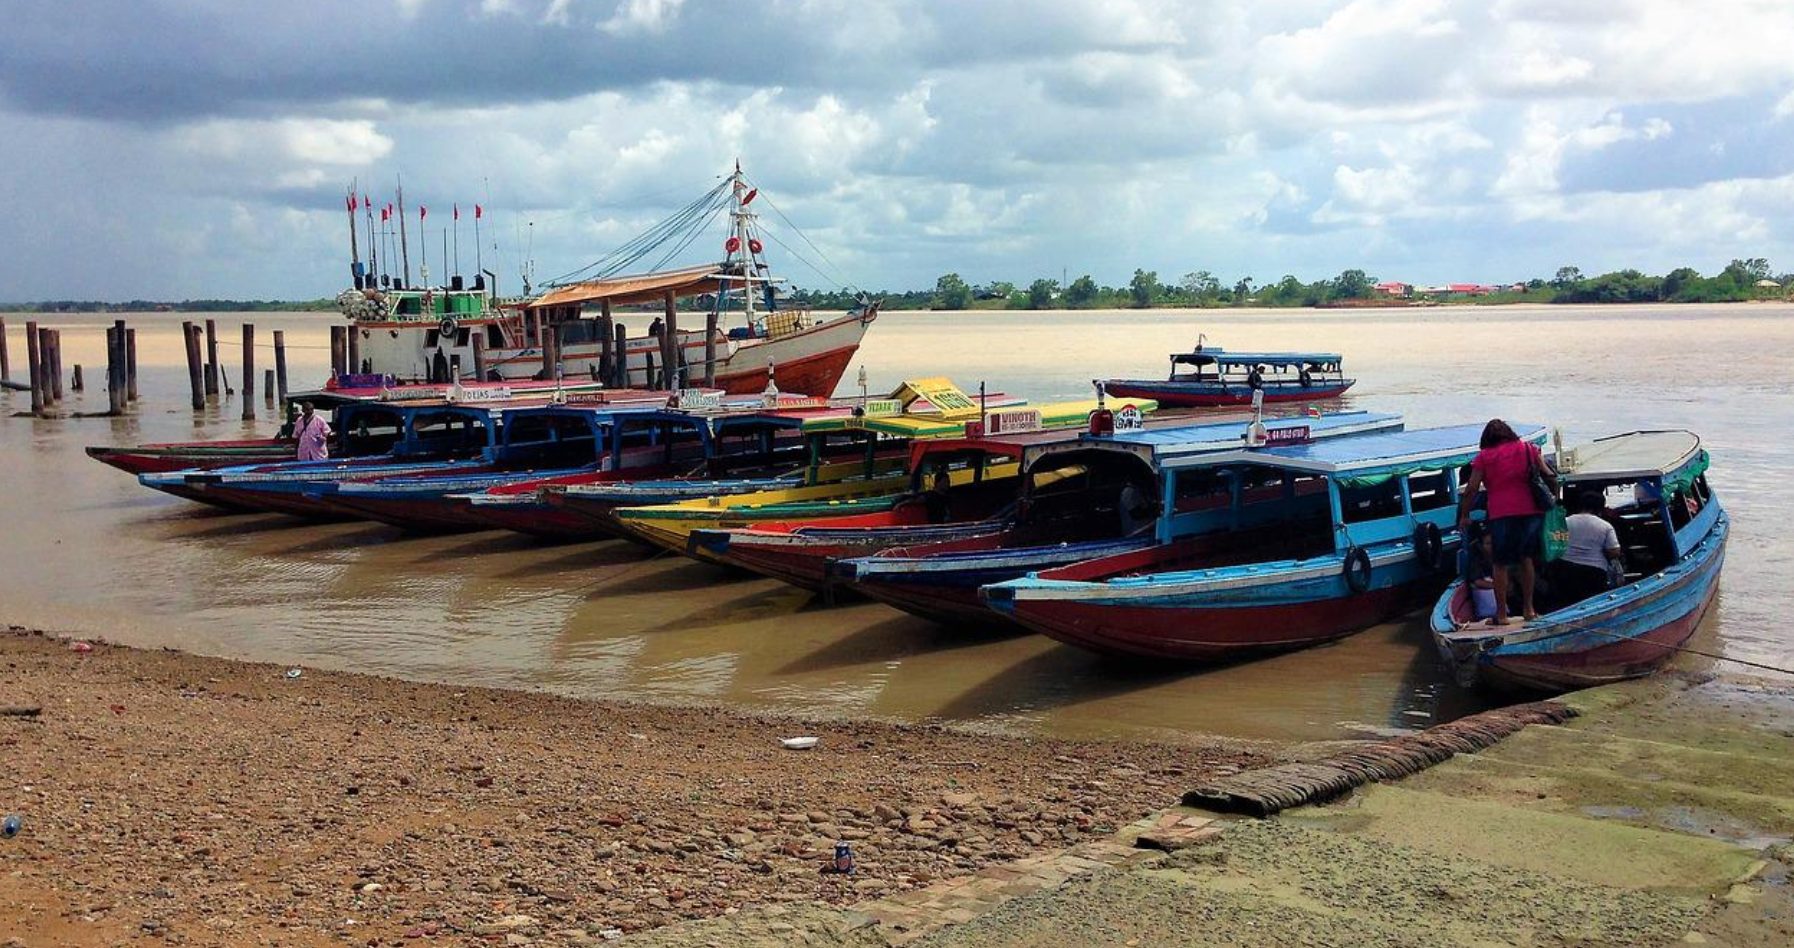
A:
{"x": 839, "y": 491}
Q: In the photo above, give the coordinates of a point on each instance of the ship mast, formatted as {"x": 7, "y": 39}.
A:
{"x": 742, "y": 215}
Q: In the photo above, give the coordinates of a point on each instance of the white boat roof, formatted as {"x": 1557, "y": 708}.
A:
{"x": 1633, "y": 454}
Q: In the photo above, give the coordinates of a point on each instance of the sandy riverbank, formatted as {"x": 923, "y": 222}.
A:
{"x": 207, "y": 801}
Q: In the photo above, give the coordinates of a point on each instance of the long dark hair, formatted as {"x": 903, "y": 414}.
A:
{"x": 1497, "y": 432}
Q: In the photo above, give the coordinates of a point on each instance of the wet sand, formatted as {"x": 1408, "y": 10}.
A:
{"x": 206, "y": 802}
{"x": 91, "y": 550}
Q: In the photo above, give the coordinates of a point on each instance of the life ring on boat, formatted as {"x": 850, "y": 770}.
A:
{"x": 448, "y": 326}
{"x": 1306, "y": 379}
{"x": 1429, "y": 547}
{"x": 1357, "y": 569}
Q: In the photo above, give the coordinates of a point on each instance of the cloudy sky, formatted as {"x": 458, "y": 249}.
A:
{"x": 188, "y": 148}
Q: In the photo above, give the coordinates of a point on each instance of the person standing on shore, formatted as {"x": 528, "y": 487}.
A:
{"x": 312, "y": 433}
{"x": 1504, "y": 467}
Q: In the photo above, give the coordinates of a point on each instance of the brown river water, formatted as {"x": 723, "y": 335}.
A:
{"x": 84, "y": 548}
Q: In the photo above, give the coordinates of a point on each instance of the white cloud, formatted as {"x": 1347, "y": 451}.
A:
{"x": 638, "y": 17}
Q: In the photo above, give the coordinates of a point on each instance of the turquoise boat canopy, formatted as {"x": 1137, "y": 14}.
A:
{"x": 1675, "y": 457}
{"x": 1371, "y": 459}
{"x": 1158, "y": 443}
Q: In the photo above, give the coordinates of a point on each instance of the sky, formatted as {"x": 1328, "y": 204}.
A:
{"x": 167, "y": 150}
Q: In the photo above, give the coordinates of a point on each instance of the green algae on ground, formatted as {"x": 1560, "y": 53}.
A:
{"x": 1280, "y": 883}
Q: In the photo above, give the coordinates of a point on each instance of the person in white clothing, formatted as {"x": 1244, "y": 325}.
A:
{"x": 1583, "y": 570}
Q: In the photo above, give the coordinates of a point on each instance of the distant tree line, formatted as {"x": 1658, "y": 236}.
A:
{"x": 1740, "y": 280}
{"x": 1744, "y": 279}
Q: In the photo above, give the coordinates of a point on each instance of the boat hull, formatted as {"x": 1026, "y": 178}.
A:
{"x": 1218, "y": 614}
{"x": 1628, "y": 632}
{"x": 1214, "y": 395}
{"x": 941, "y": 583}
{"x": 165, "y": 458}
{"x": 802, "y": 557}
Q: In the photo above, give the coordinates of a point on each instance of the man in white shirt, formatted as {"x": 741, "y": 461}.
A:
{"x": 1583, "y": 570}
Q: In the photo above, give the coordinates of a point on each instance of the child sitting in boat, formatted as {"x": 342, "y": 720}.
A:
{"x": 1476, "y": 562}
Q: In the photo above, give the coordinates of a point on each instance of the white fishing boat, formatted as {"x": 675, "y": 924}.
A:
{"x": 736, "y": 334}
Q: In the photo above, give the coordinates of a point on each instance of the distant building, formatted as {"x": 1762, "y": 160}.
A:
{"x": 1392, "y": 288}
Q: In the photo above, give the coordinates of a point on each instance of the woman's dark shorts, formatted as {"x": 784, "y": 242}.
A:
{"x": 1516, "y": 538}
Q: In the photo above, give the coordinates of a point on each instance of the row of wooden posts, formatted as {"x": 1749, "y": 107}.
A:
{"x": 43, "y": 365}
{"x": 43, "y": 350}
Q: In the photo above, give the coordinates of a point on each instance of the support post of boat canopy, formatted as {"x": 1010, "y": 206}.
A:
{"x": 211, "y": 357}
{"x": 130, "y": 365}
{"x": 352, "y": 340}
{"x": 195, "y": 372}
{"x": 622, "y": 347}
{"x": 710, "y": 349}
{"x": 248, "y": 371}
{"x": 280, "y": 367}
{"x": 33, "y": 365}
{"x": 479, "y": 353}
{"x": 605, "y": 370}
{"x": 669, "y": 341}
{"x": 339, "y": 351}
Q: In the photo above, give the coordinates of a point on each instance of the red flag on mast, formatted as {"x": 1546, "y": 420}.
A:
{"x": 422, "y": 212}
{"x": 477, "y": 211}
{"x": 754, "y": 193}
{"x": 351, "y": 200}
{"x": 455, "y": 209}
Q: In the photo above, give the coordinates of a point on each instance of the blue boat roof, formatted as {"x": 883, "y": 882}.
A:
{"x": 1227, "y": 357}
{"x": 1444, "y": 446}
{"x": 1182, "y": 439}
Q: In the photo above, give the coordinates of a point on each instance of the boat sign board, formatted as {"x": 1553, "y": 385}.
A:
{"x": 495, "y": 393}
{"x": 883, "y": 407}
{"x": 694, "y": 399}
{"x": 1129, "y": 418}
{"x": 1294, "y": 434}
{"x": 1013, "y": 421}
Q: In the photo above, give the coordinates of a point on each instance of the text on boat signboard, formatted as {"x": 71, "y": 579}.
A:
{"x": 1129, "y": 418}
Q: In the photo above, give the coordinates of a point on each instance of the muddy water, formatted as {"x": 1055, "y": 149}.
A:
{"x": 82, "y": 547}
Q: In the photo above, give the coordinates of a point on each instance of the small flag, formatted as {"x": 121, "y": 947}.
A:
{"x": 422, "y": 212}
{"x": 455, "y": 209}
{"x": 752, "y": 193}
{"x": 351, "y": 200}
{"x": 367, "y": 203}
{"x": 477, "y": 212}
{"x": 385, "y": 214}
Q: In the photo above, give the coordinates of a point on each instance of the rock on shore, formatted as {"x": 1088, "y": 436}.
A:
{"x": 203, "y": 801}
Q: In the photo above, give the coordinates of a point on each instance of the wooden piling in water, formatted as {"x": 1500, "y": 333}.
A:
{"x": 54, "y": 365}
{"x": 195, "y": 371}
{"x": 34, "y": 365}
{"x": 211, "y": 357}
{"x": 280, "y": 367}
{"x": 669, "y": 342}
{"x": 268, "y": 387}
{"x": 123, "y": 335}
{"x": 248, "y": 371}
{"x": 130, "y": 365}
{"x": 622, "y": 361}
{"x": 5, "y": 358}
{"x": 75, "y": 383}
{"x": 339, "y": 351}
{"x": 115, "y": 370}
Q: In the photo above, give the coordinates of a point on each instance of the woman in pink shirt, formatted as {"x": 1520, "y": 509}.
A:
{"x": 1504, "y": 468}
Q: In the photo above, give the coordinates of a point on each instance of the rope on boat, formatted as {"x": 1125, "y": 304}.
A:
{"x": 1269, "y": 790}
{"x": 1683, "y": 648}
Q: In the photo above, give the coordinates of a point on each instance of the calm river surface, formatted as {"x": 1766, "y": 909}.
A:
{"x": 84, "y": 548}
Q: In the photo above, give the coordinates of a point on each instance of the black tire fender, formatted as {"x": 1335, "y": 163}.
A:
{"x": 1429, "y": 546}
{"x": 448, "y": 326}
{"x": 1357, "y": 569}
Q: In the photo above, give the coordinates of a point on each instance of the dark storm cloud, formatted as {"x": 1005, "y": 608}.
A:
{"x": 155, "y": 60}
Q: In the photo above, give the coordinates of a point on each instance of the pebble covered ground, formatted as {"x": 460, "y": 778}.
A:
{"x": 166, "y": 796}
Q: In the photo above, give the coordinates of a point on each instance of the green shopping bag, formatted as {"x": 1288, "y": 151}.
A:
{"x": 1555, "y": 537}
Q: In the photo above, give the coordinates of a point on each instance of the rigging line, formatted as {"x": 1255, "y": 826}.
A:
{"x": 688, "y": 226}
{"x": 1683, "y": 648}
{"x": 654, "y": 236}
{"x": 797, "y": 230}
{"x": 805, "y": 261}
{"x": 690, "y": 237}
